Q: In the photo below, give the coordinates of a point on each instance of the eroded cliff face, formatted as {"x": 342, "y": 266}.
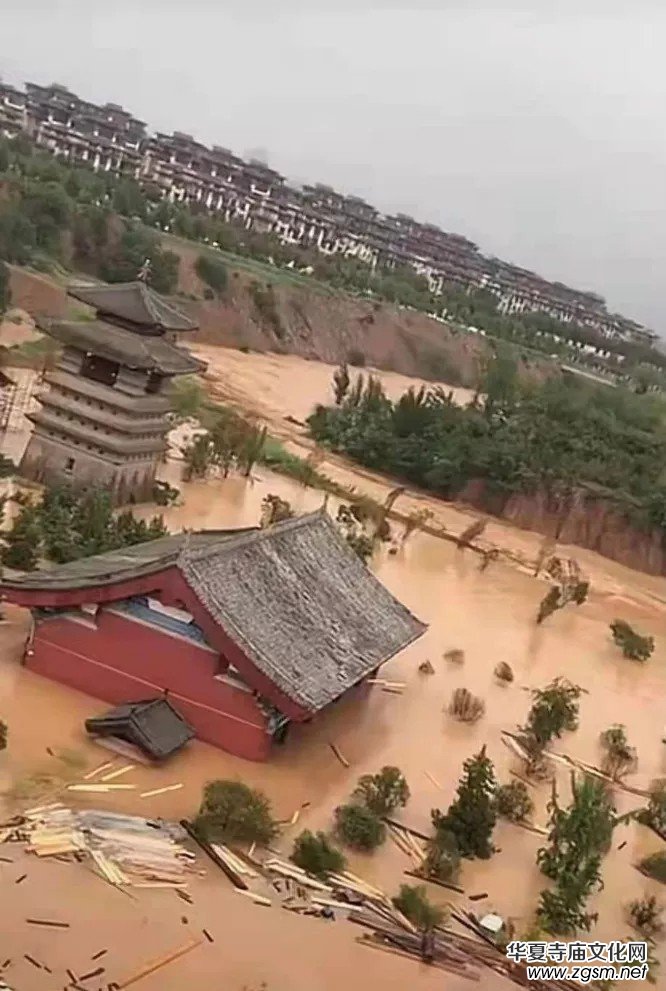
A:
{"x": 586, "y": 520}
{"x": 327, "y": 328}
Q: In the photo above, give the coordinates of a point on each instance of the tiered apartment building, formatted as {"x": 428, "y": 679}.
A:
{"x": 183, "y": 170}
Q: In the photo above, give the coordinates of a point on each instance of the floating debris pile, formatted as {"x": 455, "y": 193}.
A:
{"x": 127, "y": 850}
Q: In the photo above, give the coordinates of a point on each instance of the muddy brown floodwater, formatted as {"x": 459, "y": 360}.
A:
{"x": 490, "y": 615}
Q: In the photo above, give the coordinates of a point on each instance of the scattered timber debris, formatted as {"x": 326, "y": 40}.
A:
{"x": 125, "y": 850}
{"x": 471, "y": 532}
{"x": 48, "y": 922}
{"x": 343, "y": 760}
{"x": 154, "y": 965}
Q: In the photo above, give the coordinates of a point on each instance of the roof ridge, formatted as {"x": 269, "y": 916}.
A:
{"x": 253, "y": 535}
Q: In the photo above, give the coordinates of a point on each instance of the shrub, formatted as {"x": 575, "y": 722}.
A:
{"x": 359, "y": 827}
{"x": 383, "y": 792}
{"x": 465, "y": 706}
{"x": 619, "y": 757}
{"x": 165, "y": 494}
{"x": 213, "y": 272}
{"x": 274, "y": 509}
{"x": 655, "y": 812}
{"x": 633, "y": 645}
{"x": 504, "y": 672}
{"x": 315, "y": 853}
{"x": 514, "y": 802}
{"x": 645, "y": 916}
{"x": 415, "y": 905}
{"x": 232, "y": 812}
{"x": 356, "y": 358}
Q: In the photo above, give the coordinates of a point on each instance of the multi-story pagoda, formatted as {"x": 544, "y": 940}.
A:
{"x": 104, "y": 417}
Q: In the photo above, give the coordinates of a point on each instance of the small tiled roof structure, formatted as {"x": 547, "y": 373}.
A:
{"x": 124, "y": 346}
{"x": 294, "y": 598}
{"x": 152, "y": 725}
{"x": 134, "y": 302}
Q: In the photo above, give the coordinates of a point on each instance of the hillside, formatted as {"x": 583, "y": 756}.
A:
{"x": 266, "y": 310}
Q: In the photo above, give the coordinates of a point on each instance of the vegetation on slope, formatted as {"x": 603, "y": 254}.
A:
{"x": 53, "y": 212}
{"x": 562, "y": 438}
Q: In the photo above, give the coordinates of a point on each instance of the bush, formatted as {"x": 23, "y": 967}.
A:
{"x": 504, "y": 672}
{"x": 619, "y": 757}
{"x": 654, "y": 814}
{"x": 514, "y": 802}
{"x": 634, "y": 646}
{"x": 213, "y": 272}
{"x": 465, "y": 706}
{"x": 315, "y": 853}
{"x": 359, "y": 827}
{"x": 645, "y": 916}
{"x": 356, "y": 358}
{"x": 415, "y": 905}
{"x": 274, "y": 509}
{"x": 165, "y": 494}
{"x": 232, "y": 812}
{"x": 383, "y": 792}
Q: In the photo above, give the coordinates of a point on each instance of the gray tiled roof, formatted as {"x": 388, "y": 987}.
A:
{"x": 301, "y": 605}
{"x": 135, "y": 302}
{"x": 124, "y": 346}
{"x": 297, "y": 601}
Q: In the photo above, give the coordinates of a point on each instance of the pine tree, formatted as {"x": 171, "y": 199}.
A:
{"x": 472, "y": 816}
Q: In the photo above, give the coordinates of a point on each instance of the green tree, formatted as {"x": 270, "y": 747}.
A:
{"x": 645, "y": 916}
{"x": 472, "y": 816}
{"x": 23, "y": 541}
{"x": 232, "y": 812}
{"x": 383, "y": 792}
{"x": 358, "y": 827}
{"x": 554, "y": 710}
{"x": 415, "y": 905}
{"x": 315, "y": 853}
{"x": 442, "y": 859}
{"x": 213, "y": 272}
{"x": 579, "y": 832}
{"x": 499, "y": 383}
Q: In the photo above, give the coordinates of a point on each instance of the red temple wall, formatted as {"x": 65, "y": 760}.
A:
{"x": 118, "y": 659}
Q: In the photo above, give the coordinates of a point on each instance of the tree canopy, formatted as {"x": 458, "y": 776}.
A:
{"x": 472, "y": 815}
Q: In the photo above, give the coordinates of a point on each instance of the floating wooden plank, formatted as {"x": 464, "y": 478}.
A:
{"x": 406, "y": 829}
{"x": 118, "y": 773}
{"x": 123, "y": 749}
{"x": 435, "y": 880}
{"x": 343, "y": 760}
{"x": 101, "y": 789}
{"x": 98, "y": 770}
{"x": 432, "y": 779}
{"x": 48, "y": 922}
{"x": 160, "y": 791}
{"x": 151, "y": 967}
{"x": 257, "y": 899}
{"x": 233, "y": 875}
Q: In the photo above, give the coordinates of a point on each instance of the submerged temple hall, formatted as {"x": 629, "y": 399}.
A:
{"x": 249, "y": 631}
{"x": 103, "y": 417}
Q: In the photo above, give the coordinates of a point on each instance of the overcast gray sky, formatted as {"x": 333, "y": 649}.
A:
{"x": 537, "y": 129}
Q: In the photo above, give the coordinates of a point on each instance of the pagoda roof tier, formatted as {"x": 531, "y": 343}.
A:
{"x": 135, "y": 302}
{"x": 123, "y": 424}
{"x": 302, "y": 612}
{"x": 115, "y": 444}
{"x": 106, "y": 394}
{"x": 153, "y": 354}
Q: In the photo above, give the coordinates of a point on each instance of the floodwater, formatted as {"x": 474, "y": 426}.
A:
{"x": 488, "y": 614}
